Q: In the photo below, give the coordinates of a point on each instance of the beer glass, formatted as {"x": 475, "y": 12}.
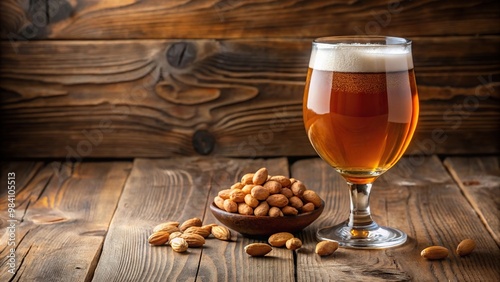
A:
{"x": 360, "y": 111}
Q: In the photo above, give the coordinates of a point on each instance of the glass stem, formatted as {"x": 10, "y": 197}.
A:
{"x": 360, "y": 217}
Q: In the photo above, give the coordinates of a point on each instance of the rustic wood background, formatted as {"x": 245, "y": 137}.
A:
{"x": 153, "y": 78}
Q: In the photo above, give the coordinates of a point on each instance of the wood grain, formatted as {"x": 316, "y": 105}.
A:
{"x": 150, "y": 98}
{"x": 479, "y": 179}
{"x": 62, "y": 214}
{"x": 112, "y": 19}
{"x": 420, "y": 198}
{"x": 176, "y": 190}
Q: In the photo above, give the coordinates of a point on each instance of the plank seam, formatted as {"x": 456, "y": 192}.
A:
{"x": 469, "y": 198}
{"x": 97, "y": 258}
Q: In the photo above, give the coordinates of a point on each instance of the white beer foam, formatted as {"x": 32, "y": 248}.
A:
{"x": 361, "y": 58}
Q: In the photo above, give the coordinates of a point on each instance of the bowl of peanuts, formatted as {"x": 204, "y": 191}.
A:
{"x": 261, "y": 205}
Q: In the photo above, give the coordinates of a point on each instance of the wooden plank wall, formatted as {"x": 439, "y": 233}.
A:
{"x": 157, "y": 78}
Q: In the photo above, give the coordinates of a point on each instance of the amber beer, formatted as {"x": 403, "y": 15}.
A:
{"x": 360, "y": 108}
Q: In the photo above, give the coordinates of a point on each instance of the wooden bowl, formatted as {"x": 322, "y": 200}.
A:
{"x": 263, "y": 226}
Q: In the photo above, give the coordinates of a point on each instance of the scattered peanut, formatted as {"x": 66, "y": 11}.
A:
{"x": 159, "y": 238}
{"x": 279, "y": 239}
{"x": 175, "y": 235}
{"x": 202, "y": 231}
{"x": 293, "y": 244}
{"x": 191, "y": 231}
{"x": 258, "y": 249}
{"x": 434, "y": 252}
{"x": 190, "y": 222}
{"x": 169, "y": 227}
{"x": 326, "y": 248}
{"x": 221, "y": 233}
{"x": 179, "y": 245}
{"x": 193, "y": 240}
{"x": 465, "y": 247}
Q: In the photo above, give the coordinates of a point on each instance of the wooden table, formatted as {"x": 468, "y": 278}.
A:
{"x": 91, "y": 220}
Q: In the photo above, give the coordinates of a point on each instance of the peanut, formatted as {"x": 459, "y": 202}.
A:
{"x": 293, "y": 244}
{"x": 230, "y": 206}
{"x": 224, "y": 194}
{"x": 277, "y": 200}
{"x": 219, "y": 202}
{"x": 275, "y": 212}
{"x": 245, "y": 209}
{"x": 262, "y": 209}
{"x": 195, "y": 221}
{"x": 309, "y": 207}
{"x": 179, "y": 245}
{"x": 237, "y": 185}
{"x": 434, "y": 252}
{"x": 237, "y": 195}
{"x": 465, "y": 247}
{"x": 296, "y": 202}
{"x": 221, "y": 233}
{"x": 260, "y": 193}
{"x": 260, "y": 176}
{"x": 258, "y": 249}
{"x": 251, "y": 201}
{"x": 247, "y": 188}
{"x": 326, "y": 248}
{"x": 312, "y": 197}
{"x": 247, "y": 178}
{"x": 283, "y": 180}
{"x": 159, "y": 238}
{"x": 273, "y": 187}
{"x": 287, "y": 192}
{"x": 279, "y": 239}
{"x": 289, "y": 210}
{"x": 298, "y": 188}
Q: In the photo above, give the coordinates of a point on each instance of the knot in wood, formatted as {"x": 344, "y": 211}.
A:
{"x": 203, "y": 142}
{"x": 181, "y": 54}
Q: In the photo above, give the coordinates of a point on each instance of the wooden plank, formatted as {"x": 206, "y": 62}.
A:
{"x": 178, "y": 189}
{"x": 61, "y": 220}
{"x": 420, "y": 198}
{"x": 479, "y": 179}
{"x": 22, "y": 173}
{"x": 25, "y": 169}
{"x": 161, "y": 98}
{"x": 65, "y": 19}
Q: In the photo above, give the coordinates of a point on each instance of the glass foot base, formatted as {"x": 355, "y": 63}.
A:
{"x": 374, "y": 237}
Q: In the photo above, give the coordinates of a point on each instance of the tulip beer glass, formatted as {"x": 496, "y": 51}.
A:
{"x": 360, "y": 111}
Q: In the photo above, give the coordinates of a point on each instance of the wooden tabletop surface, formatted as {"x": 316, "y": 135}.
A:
{"x": 89, "y": 221}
